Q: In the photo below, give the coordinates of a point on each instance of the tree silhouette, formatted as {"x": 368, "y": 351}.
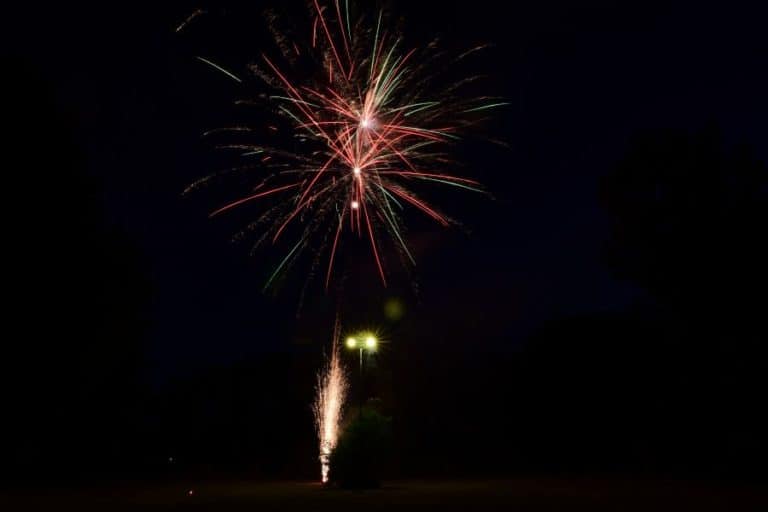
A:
{"x": 689, "y": 225}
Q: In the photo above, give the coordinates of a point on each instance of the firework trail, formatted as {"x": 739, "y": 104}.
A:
{"x": 331, "y": 393}
{"x": 189, "y": 19}
{"x": 354, "y": 125}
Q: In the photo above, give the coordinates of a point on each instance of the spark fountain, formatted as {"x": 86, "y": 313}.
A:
{"x": 331, "y": 394}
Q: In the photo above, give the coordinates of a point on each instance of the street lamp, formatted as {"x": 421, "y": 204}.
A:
{"x": 365, "y": 342}
{"x": 361, "y": 343}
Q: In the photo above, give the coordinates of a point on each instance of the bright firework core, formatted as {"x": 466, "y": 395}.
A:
{"x": 356, "y": 171}
{"x": 367, "y": 122}
{"x": 355, "y": 205}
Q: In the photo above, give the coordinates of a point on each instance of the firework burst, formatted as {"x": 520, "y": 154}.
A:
{"x": 331, "y": 393}
{"x": 358, "y": 124}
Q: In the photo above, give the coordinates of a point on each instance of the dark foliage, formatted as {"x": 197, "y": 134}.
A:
{"x": 358, "y": 460}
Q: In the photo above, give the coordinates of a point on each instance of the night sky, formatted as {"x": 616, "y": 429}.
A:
{"x": 128, "y": 304}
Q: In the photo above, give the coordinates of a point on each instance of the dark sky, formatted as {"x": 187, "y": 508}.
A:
{"x": 130, "y": 102}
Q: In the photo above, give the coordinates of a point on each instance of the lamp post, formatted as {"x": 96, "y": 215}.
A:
{"x": 362, "y": 343}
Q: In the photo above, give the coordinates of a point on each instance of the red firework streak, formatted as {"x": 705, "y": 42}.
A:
{"x": 371, "y": 128}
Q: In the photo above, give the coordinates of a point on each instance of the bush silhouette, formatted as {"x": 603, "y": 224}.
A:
{"x": 357, "y": 461}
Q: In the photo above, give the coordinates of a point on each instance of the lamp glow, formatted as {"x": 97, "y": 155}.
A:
{"x": 351, "y": 342}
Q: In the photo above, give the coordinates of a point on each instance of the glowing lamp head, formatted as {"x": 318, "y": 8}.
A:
{"x": 355, "y": 205}
{"x": 370, "y": 342}
{"x": 356, "y": 171}
{"x": 351, "y": 342}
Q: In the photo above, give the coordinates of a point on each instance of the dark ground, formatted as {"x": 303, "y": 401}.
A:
{"x": 520, "y": 495}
